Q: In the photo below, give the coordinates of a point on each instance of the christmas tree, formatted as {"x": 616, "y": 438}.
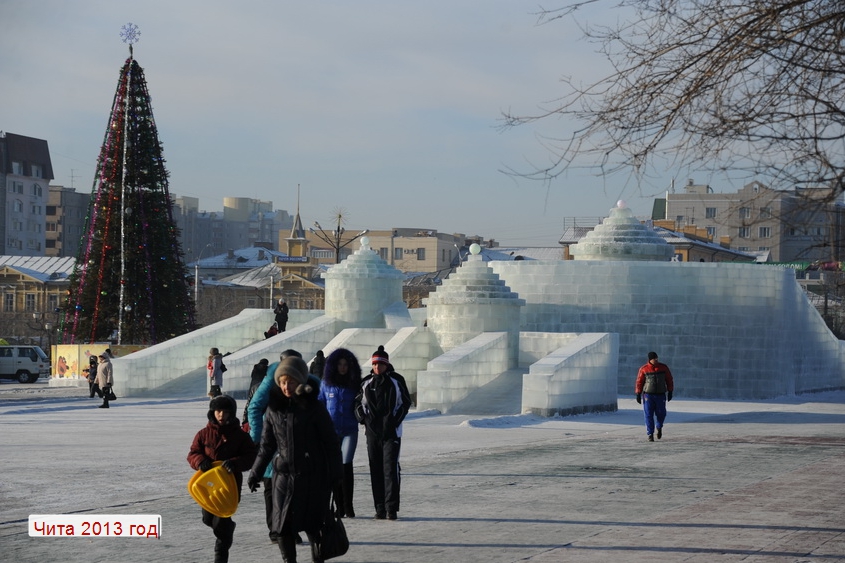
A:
{"x": 130, "y": 284}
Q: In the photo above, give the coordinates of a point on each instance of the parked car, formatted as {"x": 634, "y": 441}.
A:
{"x": 23, "y": 363}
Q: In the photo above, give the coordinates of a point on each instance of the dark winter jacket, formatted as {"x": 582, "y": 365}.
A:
{"x": 654, "y": 378}
{"x": 338, "y": 392}
{"x": 259, "y": 371}
{"x": 219, "y": 443}
{"x": 318, "y": 366}
{"x": 308, "y": 463}
{"x": 382, "y": 404}
{"x": 258, "y": 405}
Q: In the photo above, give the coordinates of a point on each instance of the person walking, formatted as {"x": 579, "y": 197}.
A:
{"x": 93, "y": 388}
{"x": 318, "y": 365}
{"x": 338, "y": 389}
{"x": 259, "y": 372}
{"x": 381, "y": 405}
{"x": 105, "y": 378}
{"x": 256, "y": 409}
{"x": 215, "y": 372}
{"x": 300, "y": 442}
{"x": 281, "y": 311}
{"x": 654, "y": 388}
{"x": 222, "y": 440}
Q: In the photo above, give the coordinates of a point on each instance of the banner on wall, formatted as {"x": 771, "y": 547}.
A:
{"x": 72, "y": 359}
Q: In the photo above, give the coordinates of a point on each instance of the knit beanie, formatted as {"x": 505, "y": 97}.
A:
{"x": 292, "y": 367}
{"x": 380, "y": 355}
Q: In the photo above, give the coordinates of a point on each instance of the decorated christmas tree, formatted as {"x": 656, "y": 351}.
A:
{"x": 130, "y": 284}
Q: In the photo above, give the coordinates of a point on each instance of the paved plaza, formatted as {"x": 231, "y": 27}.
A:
{"x": 729, "y": 481}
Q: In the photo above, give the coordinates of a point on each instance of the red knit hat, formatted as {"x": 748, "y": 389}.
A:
{"x": 380, "y": 356}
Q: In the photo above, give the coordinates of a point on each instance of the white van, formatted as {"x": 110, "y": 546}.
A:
{"x": 24, "y": 363}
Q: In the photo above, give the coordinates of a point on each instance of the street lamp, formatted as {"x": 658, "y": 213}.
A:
{"x": 335, "y": 238}
{"x": 197, "y": 274}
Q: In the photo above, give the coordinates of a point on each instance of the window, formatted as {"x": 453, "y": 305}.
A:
{"x": 679, "y": 219}
{"x": 421, "y": 254}
{"x": 765, "y": 212}
{"x": 51, "y": 210}
{"x": 710, "y": 212}
{"x": 17, "y": 187}
{"x": 36, "y": 210}
{"x": 443, "y": 255}
{"x": 742, "y": 248}
{"x": 17, "y": 168}
{"x": 744, "y": 232}
{"x": 764, "y": 232}
{"x": 9, "y": 302}
{"x": 397, "y": 253}
{"x": 37, "y": 190}
{"x": 50, "y": 227}
{"x": 29, "y": 302}
{"x": 762, "y": 248}
{"x": 52, "y": 302}
{"x": 36, "y": 171}
{"x": 17, "y": 206}
{"x": 744, "y": 212}
{"x": 50, "y": 243}
{"x": 382, "y": 252}
{"x": 711, "y": 232}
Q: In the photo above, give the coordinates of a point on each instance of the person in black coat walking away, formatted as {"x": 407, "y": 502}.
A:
{"x": 318, "y": 365}
{"x": 298, "y": 428}
{"x": 259, "y": 371}
{"x": 381, "y": 405}
{"x": 222, "y": 440}
{"x": 340, "y": 385}
{"x": 281, "y": 311}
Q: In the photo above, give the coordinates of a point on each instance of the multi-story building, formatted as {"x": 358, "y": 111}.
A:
{"x": 65, "y": 218}
{"x": 25, "y": 174}
{"x": 407, "y": 249}
{"x": 779, "y": 226}
{"x": 243, "y": 223}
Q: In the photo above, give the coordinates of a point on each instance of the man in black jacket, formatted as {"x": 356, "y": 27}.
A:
{"x": 381, "y": 406}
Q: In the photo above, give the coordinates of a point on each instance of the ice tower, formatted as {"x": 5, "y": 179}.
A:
{"x": 360, "y": 288}
{"x": 622, "y": 237}
{"x": 471, "y": 301}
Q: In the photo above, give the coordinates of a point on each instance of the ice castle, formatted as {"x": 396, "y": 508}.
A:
{"x": 545, "y": 337}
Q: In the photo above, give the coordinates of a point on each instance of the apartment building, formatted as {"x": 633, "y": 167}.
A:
{"x": 775, "y": 225}
{"x": 243, "y": 223}
{"x": 25, "y": 174}
{"x": 65, "y": 216}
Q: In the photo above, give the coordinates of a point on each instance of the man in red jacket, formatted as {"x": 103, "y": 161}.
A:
{"x": 654, "y": 387}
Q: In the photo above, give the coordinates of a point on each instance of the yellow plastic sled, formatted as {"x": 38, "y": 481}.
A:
{"x": 215, "y": 490}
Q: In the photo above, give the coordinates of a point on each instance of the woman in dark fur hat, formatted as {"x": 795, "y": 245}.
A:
{"x": 341, "y": 382}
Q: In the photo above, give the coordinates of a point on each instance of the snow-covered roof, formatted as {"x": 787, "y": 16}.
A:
{"x": 42, "y": 268}
{"x": 246, "y": 258}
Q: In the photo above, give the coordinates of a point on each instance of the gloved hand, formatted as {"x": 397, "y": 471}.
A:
{"x": 669, "y": 396}
{"x": 253, "y": 482}
{"x": 639, "y": 399}
{"x": 205, "y": 465}
{"x": 229, "y": 466}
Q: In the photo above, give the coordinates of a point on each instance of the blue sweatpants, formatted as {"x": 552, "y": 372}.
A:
{"x": 654, "y": 404}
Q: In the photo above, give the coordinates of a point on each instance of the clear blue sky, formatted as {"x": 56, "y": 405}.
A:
{"x": 385, "y": 110}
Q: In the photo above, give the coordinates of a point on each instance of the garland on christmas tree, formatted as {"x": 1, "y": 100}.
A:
{"x": 130, "y": 283}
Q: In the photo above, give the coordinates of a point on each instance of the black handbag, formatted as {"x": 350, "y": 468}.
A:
{"x": 110, "y": 394}
{"x": 332, "y": 541}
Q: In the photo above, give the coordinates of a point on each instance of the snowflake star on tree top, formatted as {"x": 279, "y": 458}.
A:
{"x": 130, "y": 34}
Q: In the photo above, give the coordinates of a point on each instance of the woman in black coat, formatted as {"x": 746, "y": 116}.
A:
{"x": 298, "y": 427}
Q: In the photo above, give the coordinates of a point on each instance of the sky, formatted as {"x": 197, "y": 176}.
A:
{"x": 386, "y": 112}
